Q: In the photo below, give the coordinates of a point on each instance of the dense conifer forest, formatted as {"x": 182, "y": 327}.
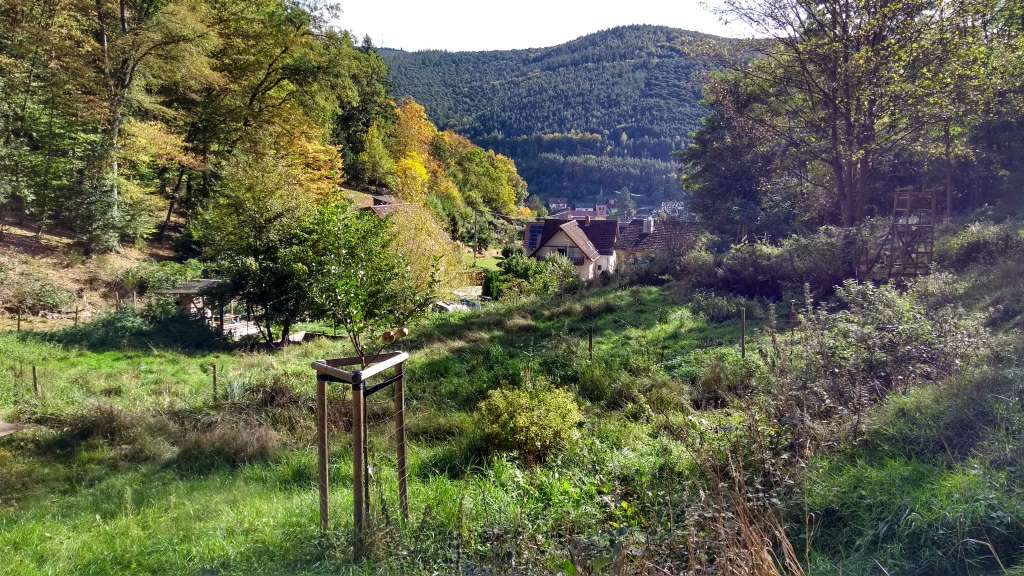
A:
{"x": 586, "y": 118}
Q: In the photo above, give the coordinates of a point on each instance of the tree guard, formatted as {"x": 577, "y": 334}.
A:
{"x": 333, "y": 371}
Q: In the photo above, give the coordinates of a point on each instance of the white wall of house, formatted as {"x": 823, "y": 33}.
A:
{"x": 561, "y": 244}
{"x": 606, "y": 263}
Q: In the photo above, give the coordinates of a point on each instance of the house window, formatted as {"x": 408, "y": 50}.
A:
{"x": 562, "y": 251}
{"x": 599, "y": 268}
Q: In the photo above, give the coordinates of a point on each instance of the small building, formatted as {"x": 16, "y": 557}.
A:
{"x": 194, "y": 297}
{"x": 578, "y": 214}
{"x": 588, "y": 243}
{"x": 557, "y": 204}
{"x": 384, "y": 205}
{"x": 643, "y": 240}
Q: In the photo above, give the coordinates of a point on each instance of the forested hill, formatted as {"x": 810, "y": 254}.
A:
{"x": 594, "y": 115}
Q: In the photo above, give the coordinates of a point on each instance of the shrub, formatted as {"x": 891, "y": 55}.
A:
{"x": 721, "y": 308}
{"x": 150, "y": 276}
{"x": 879, "y": 342}
{"x": 979, "y": 243}
{"x": 28, "y": 292}
{"x": 519, "y": 275}
{"x": 718, "y": 375}
{"x": 822, "y": 259}
{"x": 126, "y": 328}
{"x": 530, "y": 423}
{"x": 228, "y": 444}
{"x": 752, "y": 269}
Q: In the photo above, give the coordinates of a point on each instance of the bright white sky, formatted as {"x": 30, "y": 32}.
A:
{"x": 498, "y": 25}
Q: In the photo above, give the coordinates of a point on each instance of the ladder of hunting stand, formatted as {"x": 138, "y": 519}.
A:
{"x": 907, "y": 249}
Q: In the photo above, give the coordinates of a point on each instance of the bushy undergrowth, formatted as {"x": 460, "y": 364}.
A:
{"x": 531, "y": 423}
{"x": 520, "y": 276}
{"x": 932, "y": 489}
{"x": 877, "y": 342}
{"x": 772, "y": 270}
{"x": 126, "y": 328}
{"x": 980, "y": 243}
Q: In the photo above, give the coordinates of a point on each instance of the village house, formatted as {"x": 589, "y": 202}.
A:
{"x": 558, "y": 204}
{"x": 642, "y": 240}
{"x": 588, "y": 243}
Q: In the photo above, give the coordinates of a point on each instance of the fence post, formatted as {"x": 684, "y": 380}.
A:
{"x": 324, "y": 455}
{"x": 76, "y": 315}
{"x": 590, "y": 343}
{"x": 743, "y": 333}
{"x": 35, "y": 383}
{"x": 358, "y": 469}
{"x": 403, "y": 486}
{"x": 214, "y": 382}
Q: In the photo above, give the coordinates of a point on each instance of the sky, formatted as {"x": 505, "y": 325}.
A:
{"x": 498, "y": 25}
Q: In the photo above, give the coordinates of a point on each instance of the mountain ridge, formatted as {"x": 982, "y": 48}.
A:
{"x": 583, "y": 119}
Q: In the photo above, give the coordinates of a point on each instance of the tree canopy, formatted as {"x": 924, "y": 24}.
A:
{"x": 120, "y": 118}
{"x": 850, "y": 100}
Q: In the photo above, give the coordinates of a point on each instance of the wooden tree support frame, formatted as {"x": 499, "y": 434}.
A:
{"x": 333, "y": 371}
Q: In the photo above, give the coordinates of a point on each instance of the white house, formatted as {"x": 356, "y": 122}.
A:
{"x": 588, "y": 243}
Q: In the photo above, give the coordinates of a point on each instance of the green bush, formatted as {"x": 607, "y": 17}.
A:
{"x": 530, "y": 423}
{"x": 718, "y": 375}
{"x": 30, "y": 293}
{"x": 880, "y": 341}
{"x": 126, "y": 328}
{"x": 150, "y": 276}
{"x": 752, "y": 268}
{"x": 519, "y": 275}
{"x": 979, "y": 243}
{"x": 822, "y": 259}
{"x": 722, "y": 308}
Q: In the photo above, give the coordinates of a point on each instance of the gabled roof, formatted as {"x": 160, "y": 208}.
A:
{"x": 592, "y": 237}
{"x": 194, "y": 287}
{"x": 385, "y": 199}
{"x": 666, "y": 232}
{"x": 383, "y": 210}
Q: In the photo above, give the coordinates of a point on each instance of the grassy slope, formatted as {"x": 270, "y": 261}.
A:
{"x": 935, "y": 481}
{"x": 80, "y": 506}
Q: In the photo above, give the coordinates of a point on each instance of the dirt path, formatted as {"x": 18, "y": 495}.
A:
{"x": 6, "y": 428}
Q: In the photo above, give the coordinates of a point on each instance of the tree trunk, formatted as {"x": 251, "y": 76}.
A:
{"x": 948, "y": 150}
{"x": 285, "y": 329}
{"x": 170, "y": 205}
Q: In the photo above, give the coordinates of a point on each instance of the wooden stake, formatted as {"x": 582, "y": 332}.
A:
{"x": 35, "y": 383}
{"x": 18, "y": 321}
{"x": 321, "y": 429}
{"x": 403, "y": 486}
{"x": 590, "y": 344}
{"x": 743, "y": 333}
{"x": 214, "y": 382}
{"x": 76, "y": 315}
{"x": 358, "y": 469}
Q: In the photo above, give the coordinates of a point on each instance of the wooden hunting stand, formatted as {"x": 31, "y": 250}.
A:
{"x": 332, "y": 371}
{"x": 906, "y": 250}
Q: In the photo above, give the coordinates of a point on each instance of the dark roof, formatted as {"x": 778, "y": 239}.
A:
{"x": 193, "y": 287}
{"x": 576, "y": 213}
{"x": 632, "y": 237}
{"x": 383, "y": 210}
{"x": 384, "y": 199}
{"x": 593, "y": 237}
